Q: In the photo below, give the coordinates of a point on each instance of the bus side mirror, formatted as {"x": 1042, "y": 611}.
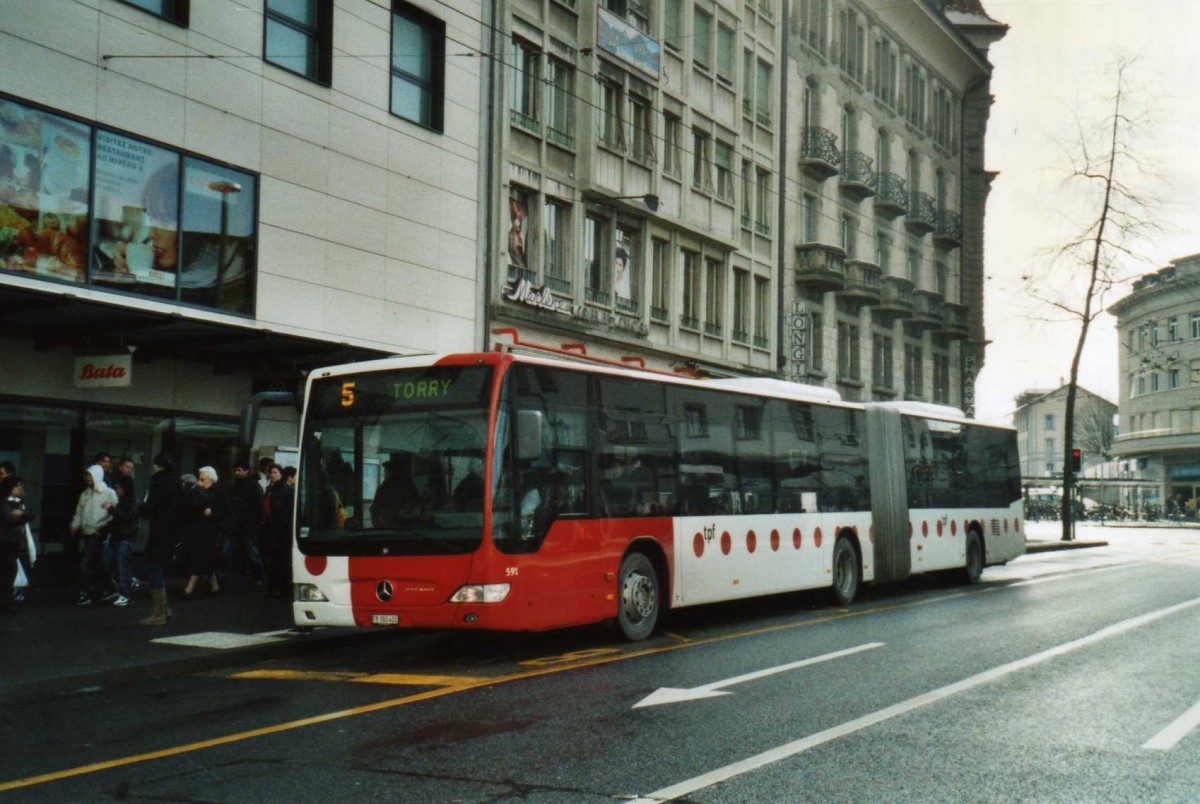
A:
{"x": 529, "y": 434}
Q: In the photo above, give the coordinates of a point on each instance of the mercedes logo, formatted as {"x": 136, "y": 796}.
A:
{"x": 383, "y": 591}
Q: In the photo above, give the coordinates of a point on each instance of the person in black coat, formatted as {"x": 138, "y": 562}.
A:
{"x": 13, "y": 519}
{"x": 246, "y": 497}
{"x": 277, "y": 533}
{"x": 161, "y": 509}
{"x": 204, "y": 514}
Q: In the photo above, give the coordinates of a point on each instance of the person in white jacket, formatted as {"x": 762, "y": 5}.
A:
{"x": 91, "y": 518}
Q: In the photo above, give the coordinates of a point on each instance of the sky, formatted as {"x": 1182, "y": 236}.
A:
{"x": 1052, "y": 72}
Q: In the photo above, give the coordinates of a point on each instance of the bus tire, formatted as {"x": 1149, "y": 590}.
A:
{"x": 639, "y": 600}
{"x": 847, "y": 571}
{"x": 974, "y": 558}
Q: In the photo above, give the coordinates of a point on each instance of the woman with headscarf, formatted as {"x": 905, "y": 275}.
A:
{"x": 161, "y": 508}
{"x": 205, "y": 513}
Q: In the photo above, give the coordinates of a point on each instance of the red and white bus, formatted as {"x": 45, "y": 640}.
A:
{"x": 514, "y": 491}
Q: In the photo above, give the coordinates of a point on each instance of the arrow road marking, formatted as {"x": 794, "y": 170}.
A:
{"x": 665, "y": 695}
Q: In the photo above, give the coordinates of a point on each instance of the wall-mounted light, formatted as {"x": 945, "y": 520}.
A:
{"x": 649, "y": 199}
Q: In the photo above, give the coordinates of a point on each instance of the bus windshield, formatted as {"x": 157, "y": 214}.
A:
{"x": 392, "y": 462}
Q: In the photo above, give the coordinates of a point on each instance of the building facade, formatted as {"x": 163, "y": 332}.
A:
{"x": 203, "y": 200}
{"x": 1159, "y": 368}
{"x": 1040, "y": 418}
{"x": 737, "y": 188}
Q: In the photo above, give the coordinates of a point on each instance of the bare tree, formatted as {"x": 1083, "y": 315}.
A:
{"x": 1104, "y": 168}
{"x": 1094, "y": 431}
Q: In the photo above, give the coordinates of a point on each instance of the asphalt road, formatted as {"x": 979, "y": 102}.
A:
{"x": 1065, "y": 676}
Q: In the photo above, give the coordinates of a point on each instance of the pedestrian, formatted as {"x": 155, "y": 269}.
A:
{"x": 13, "y": 523}
{"x": 246, "y": 498}
{"x": 264, "y": 473}
{"x": 161, "y": 509}
{"x": 91, "y": 519}
{"x": 277, "y": 534}
{"x": 122, "y": 533}
{"x": 7, "y": 468}
{"x": 104, "y": 461}
{"x": 205, "y": 513}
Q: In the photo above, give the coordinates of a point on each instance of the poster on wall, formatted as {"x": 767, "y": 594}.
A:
{"x": 622, "y": 266}
{"x": 518, "y": 216}
{"x": 218, "y": 236}
{"x": 44, "y": 173}
{"x": 137, "y": 215}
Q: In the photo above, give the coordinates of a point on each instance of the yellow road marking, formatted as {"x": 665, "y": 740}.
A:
{"x": 380, "y": 706}
{"x": 398, "y": 679}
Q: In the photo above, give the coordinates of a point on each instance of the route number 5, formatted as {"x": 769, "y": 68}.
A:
{"x": 347, "y": 394}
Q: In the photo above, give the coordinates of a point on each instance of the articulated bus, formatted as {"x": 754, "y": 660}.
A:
{"x": 515, "y": 491}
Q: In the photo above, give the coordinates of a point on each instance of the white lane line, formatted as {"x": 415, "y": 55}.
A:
{"x": 1166, "y": 739}
{"x": 858, "y": 724}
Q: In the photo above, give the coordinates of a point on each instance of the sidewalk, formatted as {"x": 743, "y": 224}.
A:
{"x": 53, "y": 647}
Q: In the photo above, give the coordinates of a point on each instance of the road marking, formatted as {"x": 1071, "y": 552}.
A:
{"x": 791, "y": 749}
{"x": 665, "y": 695}
{"x": 219, "y": 640}
{"x": 402, "y": 679}
{"x": 1166, "y": 739}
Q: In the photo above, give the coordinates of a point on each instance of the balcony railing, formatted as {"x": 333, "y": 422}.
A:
{"x": 560, "y": 137}
{"x": 712, "y": 329}
{"x": 525, "y": 121}
{"x": 897, "y": 299}
{"x": 560, "y": 286}
{"x": 689, "y": 322}
{"x": 927, "y": 311}
{"x": 630, "y": 306}
{"x": 922, "y": 212}
{"x": 820, "y": 267}
{"x": 597, "y": 296}
{"x": 954, "y": 322}
{"x": 948, "y": 229}
{"x": 819, "y": 154}
{"x": 659, "y": 314}
{"x": 761, "y": 342}
{"x": 516, "y": 274}
{"x": 740, "y": 336}
{"x": 891, "y": 197}
{"x": 863, "y": 283}
{"x": 858, "y": 177}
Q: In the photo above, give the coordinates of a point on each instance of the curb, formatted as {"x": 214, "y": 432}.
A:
{"x": 1047, "y": 547}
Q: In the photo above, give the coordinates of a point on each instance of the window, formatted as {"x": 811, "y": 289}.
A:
{"x": 853, "y": 43}
{"x": 697, "y": 422}
{"x": 849, "y": 237}
{"x": 747, "y": 422}
{"x": 626, "y": 269}
{"x": 943, "y": 117}
{"x": 747, "y": 193}
{"x": 1154, "y": 382}
{"x": 660, "y": 280}
{"x": 298, "y": 37}
{"x": 632, "y": 11}
{"x": 762, "y": 202}
{"x": 643, "y": 133}
{"x": 741, "y": 306}
{"x": 849, "y": 362}
{"x": 714, "y": 296}
{"x": 701, "y": 161}
{"x": 883, "y": 248}
{"x": 914, "y": 265}
{"x": 520, "y": 208}
{"x": 691, "y": 291}
{"x": 725, "y": 54}
{"x": 1195, "y": 326}
{"x": 175, "y": 11}
{"x": 881, "y": 361}
{"x": 1048, "y": 422}
{"x": 1173, "y": 330}
{"x": 672, "y": 136}
{"x": 914, "y": 370}
{"x": 941, "y": 379}
{"x": 593, "y": 259}
{"x": 808, "y": 218}
{"x": 1173, "y": 378}
{"x": 672, "y": 13}
{"x": 762, "y": 93}
{"x": 1141, "y": 385}
{"x": 701, "y": 36}
{"x": 915, "y": 96}
{"x": 886, "y": 71}
{"x": 1154, "y": 334}
{"x": 723, "y": 159}
{"x": 814, "y": 24}
{"x": 523, "y": 67}
{"x": 1049, "y": 450}
{"x": 559, "y": 90}
{"x": 555, "y": 231}
{"x": 612, "y": 117}
{"x": 418, "y": 65}
{"x": 762, "y": 311}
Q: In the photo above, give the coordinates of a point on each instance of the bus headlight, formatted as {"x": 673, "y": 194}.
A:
{"x": 309, "y": 593}
{"x": 481, "y": 593}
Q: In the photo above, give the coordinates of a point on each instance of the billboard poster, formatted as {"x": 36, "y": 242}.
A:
{"x": 218, "y": 236}
{"x": 518, "y": 230}
{"x": 44, "y": 176}
{"x": 137, "y": 215}
{"x": 616, "y": 36}
{"x": 622, "y": 265}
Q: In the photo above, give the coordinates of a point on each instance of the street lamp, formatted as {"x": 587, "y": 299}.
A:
{"x": 649, "y": 199}
{"x": 226, "y": 189}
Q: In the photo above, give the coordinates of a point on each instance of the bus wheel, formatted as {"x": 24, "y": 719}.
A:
{"x": 846, "y": 571}
{"x": 974, "y": 566}
{"x": 637, "y": 610}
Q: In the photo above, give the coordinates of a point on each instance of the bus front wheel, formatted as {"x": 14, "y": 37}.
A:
{"x": 974, "y": 566}
{"x": 638, "y": 607}
{"x": 846, "y": 572}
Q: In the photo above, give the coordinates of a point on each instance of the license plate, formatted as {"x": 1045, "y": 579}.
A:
{"x": 385, "y": 619}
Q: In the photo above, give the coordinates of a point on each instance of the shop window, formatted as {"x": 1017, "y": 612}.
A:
{"x": 418, "y": 65}
{"x": 175, "y": 11}
{"x": 106, "y": 210}
{"x": 298, "y": 36}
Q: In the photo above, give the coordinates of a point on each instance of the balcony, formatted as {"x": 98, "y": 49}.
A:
{"x": 954, "y": 322}
{"x": 922, "y": 212}
{"x": 896, "y": 302}
{"x": 858, "y": 177}
{"x": 927, "y": 311}
{"x": 863, "y": 284}
{"x": 819, "y": 154}
{"x": 892, "y": 196}
{"x": 947, "y": 233}
{"x": 821, "y": 268}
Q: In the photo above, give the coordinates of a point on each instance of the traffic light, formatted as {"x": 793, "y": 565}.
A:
{"x": 1076, "y": 460}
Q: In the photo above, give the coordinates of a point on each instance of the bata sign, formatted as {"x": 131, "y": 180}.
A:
{"x": 104, "y": 371}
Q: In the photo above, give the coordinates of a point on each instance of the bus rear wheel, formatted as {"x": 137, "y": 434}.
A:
{"x": 846, "y": 572}
{"x": 639, "y": 604}
{"x": 974, "y": 566}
